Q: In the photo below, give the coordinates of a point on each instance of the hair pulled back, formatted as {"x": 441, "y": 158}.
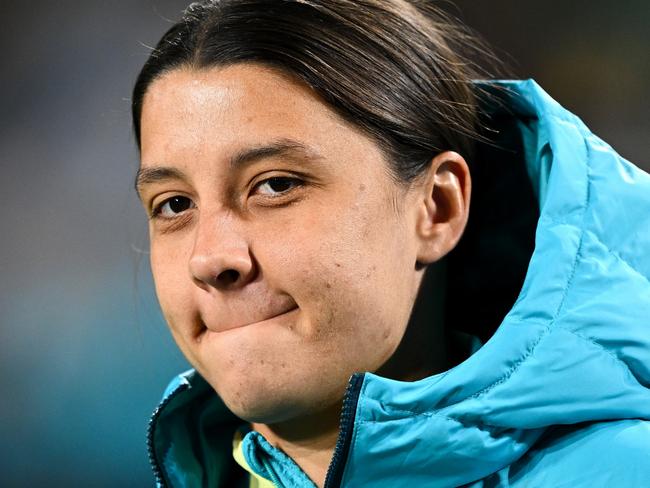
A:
{"x": 393, "y": 68}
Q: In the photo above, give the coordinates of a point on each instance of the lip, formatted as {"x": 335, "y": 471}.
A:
{"x": 262, "y": 322}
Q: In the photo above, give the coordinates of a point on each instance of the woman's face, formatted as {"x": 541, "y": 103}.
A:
{"x": 283, "y": 252}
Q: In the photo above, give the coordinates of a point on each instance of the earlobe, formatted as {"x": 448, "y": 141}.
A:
{"x": 444, "y": 207}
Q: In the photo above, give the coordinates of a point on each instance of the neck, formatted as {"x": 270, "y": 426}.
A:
{"x": 423, "y": 349}
{"x": 309, "y": 441}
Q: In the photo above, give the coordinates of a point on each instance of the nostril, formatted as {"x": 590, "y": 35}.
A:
{"x": 228, "y": 277}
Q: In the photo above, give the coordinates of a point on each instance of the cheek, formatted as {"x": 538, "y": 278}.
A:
{"x": 171, "y": 280}
{"x": 345, "y": 283}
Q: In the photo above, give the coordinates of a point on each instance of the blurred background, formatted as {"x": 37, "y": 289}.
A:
{"x": 84, "y": 352}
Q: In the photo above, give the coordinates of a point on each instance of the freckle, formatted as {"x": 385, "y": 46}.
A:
{"x": 262, "y": 362}
{"x": 362, "y": 187}
{"x": 330, "y": 317}
{"x": 283, "y": 365}
{"x": 338, "y": 265}
{"x": 328, "y": 285}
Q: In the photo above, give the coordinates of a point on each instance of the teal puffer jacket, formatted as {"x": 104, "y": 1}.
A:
{"x": 559, "y": 396}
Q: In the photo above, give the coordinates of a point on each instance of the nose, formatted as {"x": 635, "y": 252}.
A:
{"x": 221, "y": 257}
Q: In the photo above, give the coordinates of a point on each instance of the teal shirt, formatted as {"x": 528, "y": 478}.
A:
{"x": 560, "y": 393}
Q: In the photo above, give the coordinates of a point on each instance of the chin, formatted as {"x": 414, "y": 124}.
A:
{"x": 263, "y": 409}
{"x": 257, "y": 399}
{"x": 268, "y": 393}
{"x": 271, "y": 402}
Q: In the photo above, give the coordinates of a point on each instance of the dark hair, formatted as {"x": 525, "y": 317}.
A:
{"x": 393, "y": 68}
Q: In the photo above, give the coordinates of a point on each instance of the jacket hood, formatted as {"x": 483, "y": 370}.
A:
{"x": 574, "y": 347}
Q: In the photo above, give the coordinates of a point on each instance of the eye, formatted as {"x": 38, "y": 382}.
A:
{"x": 173, "y": 206}
{"x": 277, "y": 185}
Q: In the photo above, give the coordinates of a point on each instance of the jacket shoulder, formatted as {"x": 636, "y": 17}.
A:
{"x": 600, "y": 454}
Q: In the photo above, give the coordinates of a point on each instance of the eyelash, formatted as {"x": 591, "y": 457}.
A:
{"x": 293, "y": 183}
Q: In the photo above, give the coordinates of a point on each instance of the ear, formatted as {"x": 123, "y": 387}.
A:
{"x": 444, "y": 206}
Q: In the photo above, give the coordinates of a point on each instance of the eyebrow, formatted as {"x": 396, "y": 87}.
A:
{"x": 282, "y": 147}
{"x": 148, "y": 175}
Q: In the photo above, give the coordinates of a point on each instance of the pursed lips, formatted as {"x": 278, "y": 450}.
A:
{"x": 267, "y": 317}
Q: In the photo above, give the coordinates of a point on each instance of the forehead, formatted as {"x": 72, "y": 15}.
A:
{"x": 238, "y": 105}
{"x": 224, "y": 89}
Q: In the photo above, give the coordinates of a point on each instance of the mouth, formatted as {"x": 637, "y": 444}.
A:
{"x": 265, "y": 320}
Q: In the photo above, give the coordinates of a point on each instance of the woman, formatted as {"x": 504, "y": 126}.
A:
{"x": 306, "y": 169}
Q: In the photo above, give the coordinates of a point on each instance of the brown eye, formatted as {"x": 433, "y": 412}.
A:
{"x": 277, "y": 185}
{"x": 173, "y": 206}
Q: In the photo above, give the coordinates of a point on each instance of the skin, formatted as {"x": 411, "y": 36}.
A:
{"x": 285, "y": 255}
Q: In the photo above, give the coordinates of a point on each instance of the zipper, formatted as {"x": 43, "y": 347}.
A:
{"x": 348, "y": 414}
{"x": 153, "y": 458}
